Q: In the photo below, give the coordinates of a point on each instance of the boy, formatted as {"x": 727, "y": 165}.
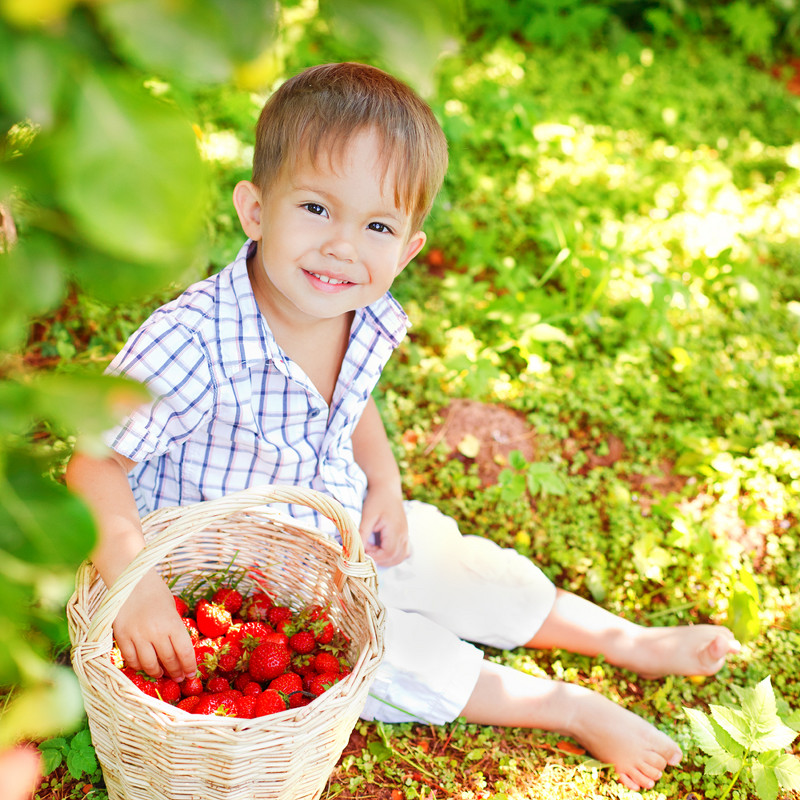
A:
{"x": 264, "y": 373}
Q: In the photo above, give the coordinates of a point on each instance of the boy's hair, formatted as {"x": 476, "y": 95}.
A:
{"x": 322, "y": 108}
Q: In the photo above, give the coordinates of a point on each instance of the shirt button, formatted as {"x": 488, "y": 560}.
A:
{"x": 314, "y": 413}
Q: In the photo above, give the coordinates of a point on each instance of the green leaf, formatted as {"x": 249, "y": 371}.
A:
{"x": 787, "y": 770}
{"x": 733, "y": 722}
{"x": 409, "y": 35}
{"x": 52, "y": 755}
{"x": 129, "y": 171}
{"x": 81, "y": 760}
{"x": 32, "y": 508}
{"x": 706, "y": 737}
{"x": 190, "y": 43}
{"x": 765, "y": 781}
{"x": 743, "y": 607}
{"x": 760, "y": 711}
{"x": 51, "y": 706}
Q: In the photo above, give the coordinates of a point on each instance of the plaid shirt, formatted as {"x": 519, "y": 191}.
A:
{"x": 232, "y": 410}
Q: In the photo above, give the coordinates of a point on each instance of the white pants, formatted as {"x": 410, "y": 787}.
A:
{"x": 450, "y": 589}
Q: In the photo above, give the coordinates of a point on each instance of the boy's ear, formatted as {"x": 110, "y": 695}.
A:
{"x": 247, "y": 202}
{"x": 415, "y": 243}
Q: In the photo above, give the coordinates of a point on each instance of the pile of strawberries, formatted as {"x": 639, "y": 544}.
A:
{"x": 255, "y": 656}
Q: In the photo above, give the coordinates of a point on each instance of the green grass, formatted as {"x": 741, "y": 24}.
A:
{"x": 615, "y": 253}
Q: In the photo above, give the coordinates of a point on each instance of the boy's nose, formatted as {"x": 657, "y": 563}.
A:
{"x": 340, "y": 248}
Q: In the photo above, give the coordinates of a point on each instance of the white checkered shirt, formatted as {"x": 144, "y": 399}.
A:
{"x": 232, "y": 410}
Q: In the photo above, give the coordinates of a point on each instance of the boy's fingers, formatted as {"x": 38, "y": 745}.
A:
{"x": 148, "y": 659}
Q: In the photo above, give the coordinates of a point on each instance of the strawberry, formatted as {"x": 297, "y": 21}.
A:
{"x": 288, "y": 683}
{"x": 141, "y": 681}
{"x": 256, "y": 607}
{"x": 189, "y": 703}
{"x": 181, "y": 606}
{"x": 240, "y": 681}
{"x": 320, "y": 683}
{"x": 268, "y": 661}
{"x": 276, "y": 638}
{"x": 206, "y": 658}
{"x": 228, "y": 598}
{"x": 277, "y": 614}
{"x": 168, "y": 690}
{"x": 302, "y": 642}
{"x": 215, "y": 704}
{"x": 246, "y": 707}
{"x": 217, "y": 684}
{"x": 229, "y": 656}
{"x": 299, "y": 699}
{"x": 326, "y": 662}
{"x": 324, "y": 632}
{"x": 213, "y": 620}
{"x": 249, "y": 634}
{"x": 269, "y": 702}
{"x": 190, "y": 625}
{"x": 191, "y": 687}
{"x": 251, "y": 687}
{"x": 303, "y": 665}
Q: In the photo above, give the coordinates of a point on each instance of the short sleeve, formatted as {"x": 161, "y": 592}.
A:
{"x": 173, "y": 363}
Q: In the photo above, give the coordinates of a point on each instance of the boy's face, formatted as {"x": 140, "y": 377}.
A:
{"x": 330, "y": 237}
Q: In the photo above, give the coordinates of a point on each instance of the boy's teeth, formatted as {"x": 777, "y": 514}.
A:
{"x": 326, "y": 279}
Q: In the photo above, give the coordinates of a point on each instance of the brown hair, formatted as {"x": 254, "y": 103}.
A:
{"x": 323, "y": 107}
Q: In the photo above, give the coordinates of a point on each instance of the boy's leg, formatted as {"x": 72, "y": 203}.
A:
{"x": 638, "y": 750}
{"x": 580, "y": 626}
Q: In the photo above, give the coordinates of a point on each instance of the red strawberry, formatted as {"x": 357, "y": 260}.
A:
{"x": 320, "y": 683}
{"x": 191, "y": 687}
{"x": 276, "y": 638}
{"x": 213, "y": 621}
{"x": 256, "y": 607}
{"x": 192, "y": 628}
{"x": 251, "y": 687}
{"x": 206, "y": 658}
{"x": 141, "y": 681}
{"x": 278, "y": 614}
{"x": 299, "y": 699}
{"x": 268, "y": 661}
{"x": 181, "y": 606}
{"x": 324, "y": 632}
{"x": 240, "y": 681}
{"x": 303, "y": 665}
{"x": 189, "y": 703}
{"x": 228, "y": 598}
{"x": 269, "y": 702}
{"x": 168, "y": 690}
{"x": 246, "y": 707}
{"x": 229, "y": 656}
{"x": 216, "y": 704}
{"x": 288, "y": 683}
{"x": 302, "y": 642}
{"x": 326, "y": 662}
{"x": 217, "y": 684}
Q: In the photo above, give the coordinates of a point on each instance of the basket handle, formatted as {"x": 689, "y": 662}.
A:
{"x": 194, "y": 518}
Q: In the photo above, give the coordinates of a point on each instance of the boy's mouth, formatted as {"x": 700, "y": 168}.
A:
{"x": 328, "y": 279}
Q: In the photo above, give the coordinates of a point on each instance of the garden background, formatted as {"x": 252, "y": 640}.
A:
{"x": 603, "y": 370}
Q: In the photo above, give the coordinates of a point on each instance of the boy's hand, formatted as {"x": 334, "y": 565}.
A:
{"x": 383, "y": 515}
{"x": 150, "y": 633}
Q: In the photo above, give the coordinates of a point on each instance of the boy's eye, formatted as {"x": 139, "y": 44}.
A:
{"x": 379, "y": 227}
{"x": 314, "y": 208}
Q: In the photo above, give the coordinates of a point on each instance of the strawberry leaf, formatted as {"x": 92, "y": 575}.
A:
{"x": 706, "y": 735}
{"x": 765, "y": 781}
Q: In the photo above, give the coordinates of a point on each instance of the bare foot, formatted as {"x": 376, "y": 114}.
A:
{"x": 638, "y": 751}
{"x": 680, "y": 650}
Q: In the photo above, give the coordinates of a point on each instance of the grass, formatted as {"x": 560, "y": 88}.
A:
{"x": 614, "y": 257}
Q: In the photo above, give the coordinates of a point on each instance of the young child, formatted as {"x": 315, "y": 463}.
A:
{"x": 263, "y": 373}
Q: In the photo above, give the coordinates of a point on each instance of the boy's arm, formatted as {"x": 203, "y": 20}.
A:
{"x": 383, "y": 512}
{"x": 147, "y": 629}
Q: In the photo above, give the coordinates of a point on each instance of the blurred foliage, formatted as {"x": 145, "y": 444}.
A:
{"x": 105, "y": 197}
{"x": 615, "y": 252}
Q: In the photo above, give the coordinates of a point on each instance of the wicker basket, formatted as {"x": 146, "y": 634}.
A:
{"x": 153, "y": 751}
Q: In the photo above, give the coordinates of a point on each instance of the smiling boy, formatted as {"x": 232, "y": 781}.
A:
{"x": 264, "y": 373}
